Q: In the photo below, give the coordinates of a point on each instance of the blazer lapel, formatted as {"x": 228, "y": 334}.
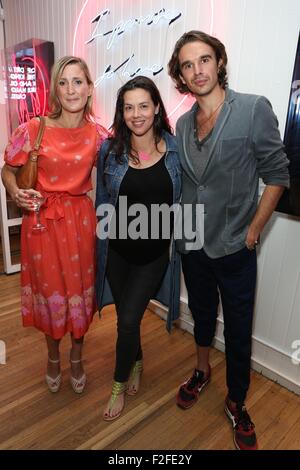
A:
{"x": 187, "y": 161}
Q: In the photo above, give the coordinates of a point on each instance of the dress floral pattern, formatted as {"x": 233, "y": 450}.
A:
{"x": 58, "y": 265}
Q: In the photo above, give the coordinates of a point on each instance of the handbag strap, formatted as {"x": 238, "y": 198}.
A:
{"x": 38, "y": 140}
{"x": 34, "y": 153}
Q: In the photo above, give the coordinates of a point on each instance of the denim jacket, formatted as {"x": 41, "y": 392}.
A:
{"x": 112, "y": 173}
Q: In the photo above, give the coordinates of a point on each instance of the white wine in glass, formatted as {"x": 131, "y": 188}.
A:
{"x": 37, "y": 202}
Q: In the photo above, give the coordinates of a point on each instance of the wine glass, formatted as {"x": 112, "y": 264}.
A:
{"x": 37, "y": 202}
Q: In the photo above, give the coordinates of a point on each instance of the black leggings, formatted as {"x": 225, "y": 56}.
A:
{"x": 132, "y": 288}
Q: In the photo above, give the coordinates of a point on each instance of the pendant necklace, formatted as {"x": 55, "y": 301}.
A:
{"x": 144, "y": 156}
{"x": 201, "y": 132}
{"x": 206, "y": 120}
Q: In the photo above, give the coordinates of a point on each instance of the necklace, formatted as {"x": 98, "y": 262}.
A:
{"x": 200, "y": 124}
{"x": 144, "y": 156}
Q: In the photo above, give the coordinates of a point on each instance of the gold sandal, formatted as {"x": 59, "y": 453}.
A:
{"x": 117, "y": 389}
{"x": 135, "y": 373}
{"x": 53, "y": 384}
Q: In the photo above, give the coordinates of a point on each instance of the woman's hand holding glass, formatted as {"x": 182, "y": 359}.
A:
{"x": 23, "y": 198}
{"x": 31, "y": 200}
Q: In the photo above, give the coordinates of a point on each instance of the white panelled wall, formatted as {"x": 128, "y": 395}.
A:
{"x": 261, "y": 38}
{"x": 3, "y": 121}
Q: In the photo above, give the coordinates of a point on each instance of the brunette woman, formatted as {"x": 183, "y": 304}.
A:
{"x": 138, "y": 165}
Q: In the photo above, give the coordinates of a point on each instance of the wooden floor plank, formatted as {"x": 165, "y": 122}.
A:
{"x": 33, "y": 418}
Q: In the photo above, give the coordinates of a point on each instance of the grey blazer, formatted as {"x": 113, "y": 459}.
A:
{"x": 245, "y": 145}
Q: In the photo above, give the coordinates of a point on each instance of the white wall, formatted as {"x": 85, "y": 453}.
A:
{"x": 261, "y": 38}
{"x": 3, "y": 121}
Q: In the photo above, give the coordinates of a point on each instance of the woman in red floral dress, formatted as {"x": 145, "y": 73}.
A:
{"x": 58, "y": 264}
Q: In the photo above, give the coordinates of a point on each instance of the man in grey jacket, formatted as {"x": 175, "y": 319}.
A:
{"x": 226, "y": 142}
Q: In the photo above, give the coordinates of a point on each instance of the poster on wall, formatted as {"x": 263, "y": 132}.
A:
{"x": 290, "y": 201}
{"x": 28, "y": 80}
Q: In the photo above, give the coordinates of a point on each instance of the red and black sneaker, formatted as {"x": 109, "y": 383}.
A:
{"x": 243, "y": 429}
{"x": 188, "y": 393}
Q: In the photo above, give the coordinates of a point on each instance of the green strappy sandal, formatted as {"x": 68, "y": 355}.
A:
{"x": 135, "y": 373}
{"x": 117, "y": 389}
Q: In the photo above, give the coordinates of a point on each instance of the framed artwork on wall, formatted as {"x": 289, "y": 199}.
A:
{"x": 28, "y": 80}
{"x": 290, "y": 200}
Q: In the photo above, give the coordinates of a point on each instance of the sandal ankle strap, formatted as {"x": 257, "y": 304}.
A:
{"x": 136, "y": 370}
{"x": 56, "y": 361}
{"x": 118, "y": 388}
{"x": 138, "y": 366}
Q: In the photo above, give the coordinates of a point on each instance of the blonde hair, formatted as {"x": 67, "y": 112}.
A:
{"x": 57, "y": 70}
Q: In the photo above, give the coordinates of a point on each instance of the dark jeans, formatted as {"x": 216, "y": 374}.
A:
{"x": 234, "y": 277}
{"x": 132, "y": 288}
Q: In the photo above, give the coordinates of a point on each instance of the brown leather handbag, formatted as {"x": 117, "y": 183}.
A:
{"x": 26, "y": 176}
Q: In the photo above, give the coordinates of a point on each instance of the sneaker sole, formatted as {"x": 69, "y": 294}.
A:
{"x": 186, "y": 407}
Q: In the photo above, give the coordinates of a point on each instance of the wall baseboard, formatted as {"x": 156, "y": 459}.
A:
{"x": 265, "y": 357}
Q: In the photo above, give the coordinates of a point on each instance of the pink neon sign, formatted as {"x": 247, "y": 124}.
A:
{"x": 91, "y": 25}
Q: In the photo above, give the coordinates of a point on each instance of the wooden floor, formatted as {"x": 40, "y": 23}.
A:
{"x": 33, "y": 418}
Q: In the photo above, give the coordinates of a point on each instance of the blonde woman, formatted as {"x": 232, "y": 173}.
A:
{"x": 57, "y": 274}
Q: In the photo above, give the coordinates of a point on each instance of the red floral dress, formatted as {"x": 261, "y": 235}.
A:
{"x": 58, "y": 264}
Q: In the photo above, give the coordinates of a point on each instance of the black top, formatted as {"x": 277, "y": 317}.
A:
{"x": 147, "y": 186}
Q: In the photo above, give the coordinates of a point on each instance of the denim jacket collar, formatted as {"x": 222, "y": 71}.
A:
{"x": 171, "y": 144}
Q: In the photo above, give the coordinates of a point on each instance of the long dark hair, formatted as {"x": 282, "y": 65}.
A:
{"x": 121, "y": 138}
{"x": 193, "y": 36}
